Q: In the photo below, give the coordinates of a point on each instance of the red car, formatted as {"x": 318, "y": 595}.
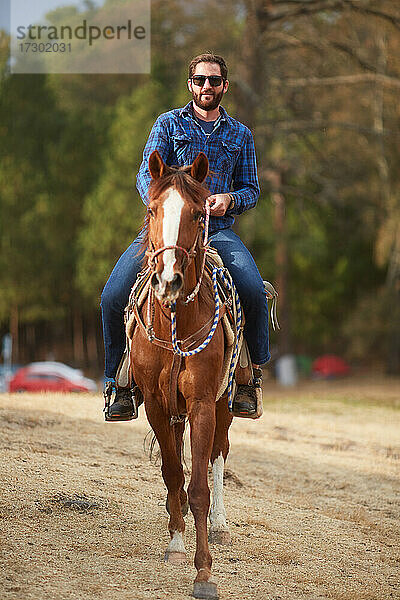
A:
{"x": 50, "y": 377}
{"x": 330, "y": 366}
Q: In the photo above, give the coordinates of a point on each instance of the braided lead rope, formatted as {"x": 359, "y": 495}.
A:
{"x": 208, "y": 339}
{"x": 232, "y": 365}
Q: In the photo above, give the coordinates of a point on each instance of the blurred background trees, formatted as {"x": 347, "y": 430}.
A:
{"x": 315, "y": 80}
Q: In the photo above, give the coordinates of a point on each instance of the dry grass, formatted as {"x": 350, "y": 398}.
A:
{"x": 312, "y": 494}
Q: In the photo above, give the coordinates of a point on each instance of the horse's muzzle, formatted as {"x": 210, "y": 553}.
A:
{"x": 167, "y": 291}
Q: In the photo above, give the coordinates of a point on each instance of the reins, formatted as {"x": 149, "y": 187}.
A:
{"x": 193, "y": 294}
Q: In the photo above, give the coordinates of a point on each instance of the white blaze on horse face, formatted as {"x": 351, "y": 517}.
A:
{"x": 172, "y": 206}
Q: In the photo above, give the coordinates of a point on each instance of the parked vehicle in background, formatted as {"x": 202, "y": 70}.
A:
{"x": 50, "y": 377}
{"x": 330, "y": 366}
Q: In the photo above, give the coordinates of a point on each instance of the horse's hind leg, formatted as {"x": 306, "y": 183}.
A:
{"x": 219, "y": 531}
{"x": 172, "y": 473}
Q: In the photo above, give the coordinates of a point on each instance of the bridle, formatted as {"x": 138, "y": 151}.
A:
{"x": 188, "y": 254}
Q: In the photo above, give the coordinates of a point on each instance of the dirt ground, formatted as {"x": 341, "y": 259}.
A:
{"x": 312, "y": 496}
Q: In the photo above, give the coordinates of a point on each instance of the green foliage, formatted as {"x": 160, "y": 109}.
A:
{"x": 47, "y": 166}
{"x": 26, "y": 203}
{"x": 113, "y": 212}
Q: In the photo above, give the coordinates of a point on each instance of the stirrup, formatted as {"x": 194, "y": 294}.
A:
{"x": 109, "y": 391}
{"x": 253, "y": 390}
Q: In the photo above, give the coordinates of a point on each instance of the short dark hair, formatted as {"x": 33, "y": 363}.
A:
{"x": 208, "y": 57}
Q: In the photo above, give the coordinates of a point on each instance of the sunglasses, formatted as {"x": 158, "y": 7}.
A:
{"x": 213, "y": 80}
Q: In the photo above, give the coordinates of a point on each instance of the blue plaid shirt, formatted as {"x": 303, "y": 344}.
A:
{"x": 230, "y": 151}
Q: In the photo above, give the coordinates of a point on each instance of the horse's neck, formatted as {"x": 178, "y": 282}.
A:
{"x": 193, "y": 315}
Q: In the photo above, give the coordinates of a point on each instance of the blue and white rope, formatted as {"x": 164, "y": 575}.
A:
{"x": 208, "y": 339}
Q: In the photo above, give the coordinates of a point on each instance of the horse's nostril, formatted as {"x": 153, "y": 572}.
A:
{"x": 154, "y": 281}
{"x": 176, "y": 282}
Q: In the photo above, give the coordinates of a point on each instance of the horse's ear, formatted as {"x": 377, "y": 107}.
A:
{"x": 156, "y": 165}
{"x": 199, "y": 168}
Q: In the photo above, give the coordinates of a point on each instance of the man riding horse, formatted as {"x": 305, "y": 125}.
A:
{"x": 179, "y": 135}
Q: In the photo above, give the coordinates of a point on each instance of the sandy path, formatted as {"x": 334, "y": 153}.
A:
{"x": 312, "y": 501}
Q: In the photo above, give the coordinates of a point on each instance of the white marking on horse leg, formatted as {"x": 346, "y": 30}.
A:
{"x": 172, "y": 206}
{"x": 217, "y": 513}
{"x": 176, "y": 544}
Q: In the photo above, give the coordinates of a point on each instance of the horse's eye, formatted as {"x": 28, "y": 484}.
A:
{"x": 197, "y": 215}
{"x": 150, "y": 212}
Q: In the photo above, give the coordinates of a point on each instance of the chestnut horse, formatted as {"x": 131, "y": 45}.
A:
{"x": 177, "y": 387}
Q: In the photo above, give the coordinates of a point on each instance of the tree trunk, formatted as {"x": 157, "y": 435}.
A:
{"x": 281, "y": 258}
{"x": 249, "y": 80}
{"x": 388, "y": 204}
{"x": 14, "y": 330}
{"x": 78, "y": 345}
{"x": 91, "y": 340}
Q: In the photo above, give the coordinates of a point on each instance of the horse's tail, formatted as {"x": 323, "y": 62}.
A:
{"x": 152, "y": 449}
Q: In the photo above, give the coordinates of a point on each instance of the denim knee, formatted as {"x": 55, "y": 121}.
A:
{"x": 251, "y": 294}
{"x": 110, "y": 299}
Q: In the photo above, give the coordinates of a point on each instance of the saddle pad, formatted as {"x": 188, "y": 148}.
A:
{"x": 139, "y": 291}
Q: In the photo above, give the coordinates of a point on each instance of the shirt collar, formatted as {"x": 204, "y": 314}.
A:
{"x": 188, "y": 111}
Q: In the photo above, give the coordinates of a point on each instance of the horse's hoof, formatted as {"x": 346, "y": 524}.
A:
{"x": 219, "y": 537}
{"x": 175, "y": 558}
{"x": 205, "y": 589}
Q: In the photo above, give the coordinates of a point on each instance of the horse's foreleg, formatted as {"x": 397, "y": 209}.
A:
{"x": 172, "y": 473}
{"x": 219, "y": 531}
{"x": 202, "y": 428}
{"x": 179, "y": 431}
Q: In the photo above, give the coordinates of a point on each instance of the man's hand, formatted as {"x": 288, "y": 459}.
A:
{"x": 218, "y": 204}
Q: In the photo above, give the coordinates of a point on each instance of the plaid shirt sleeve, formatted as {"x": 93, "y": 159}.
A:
{"x": 158, "y": 140}
{"x": 246, "y": 189}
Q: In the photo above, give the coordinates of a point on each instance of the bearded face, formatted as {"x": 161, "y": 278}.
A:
{"x": 207, "y": 97}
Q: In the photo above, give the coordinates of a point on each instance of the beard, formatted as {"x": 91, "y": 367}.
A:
{"x": 207, "y": 104}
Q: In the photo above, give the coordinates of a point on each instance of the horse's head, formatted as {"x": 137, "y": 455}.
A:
{"x": 176, "y": 205}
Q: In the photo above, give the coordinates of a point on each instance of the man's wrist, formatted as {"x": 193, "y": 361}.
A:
{"x": 232, "y": 201}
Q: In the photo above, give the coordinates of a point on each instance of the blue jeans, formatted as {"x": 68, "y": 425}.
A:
{"x": 245, "y": 275}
